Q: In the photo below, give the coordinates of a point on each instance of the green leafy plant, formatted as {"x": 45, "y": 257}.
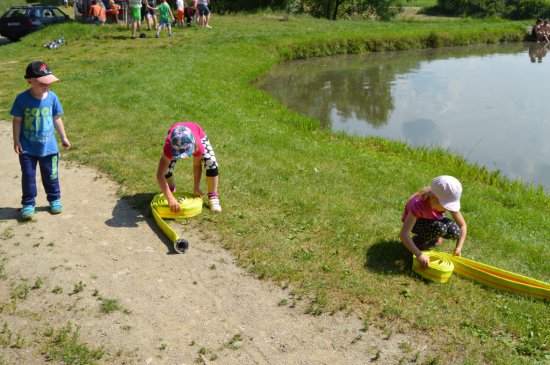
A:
{"x": 78, "y": 287}
{"x": 109, "y": 305}
{"x": 38, "y": 283}
{"x": 7, "y": 234}
{"x": 64, "y": 345}
{"x": 21, "y": 291}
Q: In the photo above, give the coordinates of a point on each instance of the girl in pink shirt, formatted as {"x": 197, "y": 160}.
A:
{"x": 424, "y": 216}
{"x": 187, "y": 139}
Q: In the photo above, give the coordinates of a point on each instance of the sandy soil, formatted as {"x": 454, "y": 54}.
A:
{"x": 176, "y": 309}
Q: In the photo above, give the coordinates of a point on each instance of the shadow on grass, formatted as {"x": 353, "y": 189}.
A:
{"x": 119, "y": 37}
{"x": 134, "y": 209}
{"x": 389, "y": 257}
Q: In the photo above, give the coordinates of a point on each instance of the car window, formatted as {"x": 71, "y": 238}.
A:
{"x": 47, "y": 13}
{"x": 58, "y": 13}
{"x": 15, "y": 13}
{"x": 37, "y": 13}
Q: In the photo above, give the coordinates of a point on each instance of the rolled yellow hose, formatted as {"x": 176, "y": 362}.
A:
{"x": 484, "y": 274}
{"x": 189, "y": 207}
{"x": 439, "y": 270}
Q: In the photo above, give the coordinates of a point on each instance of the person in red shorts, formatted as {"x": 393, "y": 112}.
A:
{"x": 180, "y": 6}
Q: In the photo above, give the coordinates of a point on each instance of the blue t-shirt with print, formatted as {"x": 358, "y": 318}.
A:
{"x": 37, "y": 129}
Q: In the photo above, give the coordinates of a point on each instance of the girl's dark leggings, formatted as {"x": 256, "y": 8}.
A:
{"x": 427, "y": 230}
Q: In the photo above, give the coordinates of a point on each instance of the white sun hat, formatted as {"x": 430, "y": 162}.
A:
{"x": 447, "y": 190}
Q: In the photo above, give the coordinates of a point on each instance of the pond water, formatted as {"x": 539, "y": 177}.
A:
{"x": 489, "y": 103}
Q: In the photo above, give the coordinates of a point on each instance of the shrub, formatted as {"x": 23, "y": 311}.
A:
{"x": 509, "y": 9}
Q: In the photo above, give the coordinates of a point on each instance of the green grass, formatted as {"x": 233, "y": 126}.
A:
{"x": 6, "y": 4}
{"x": 79, "y": 287}
{"x": 109, "y": 305}
{"x": 64, "y": 346}
{"x": 420, "y": 3}
{"x": 316, "y": 212}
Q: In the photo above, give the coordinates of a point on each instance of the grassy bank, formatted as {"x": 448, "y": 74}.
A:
{"x": 315, "y": 212}
{"x": 6, "y": 4}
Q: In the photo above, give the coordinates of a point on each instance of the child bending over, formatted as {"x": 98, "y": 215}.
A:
{"x": 424, "y": 216}
{"x": 187, "y": 139}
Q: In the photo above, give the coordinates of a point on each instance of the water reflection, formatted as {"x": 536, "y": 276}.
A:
{"x": 319, "y": 82}
{"x": 537, "y": 51}
{"x": 422, "y": 132}
{"x": 485, "y": 102}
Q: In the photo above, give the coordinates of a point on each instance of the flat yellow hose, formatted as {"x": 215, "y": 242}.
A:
{"x": 441, "y": 263}
{"x": 189, "y": 207}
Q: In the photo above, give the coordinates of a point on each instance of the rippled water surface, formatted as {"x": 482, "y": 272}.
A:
{"x": 489, "y": 104}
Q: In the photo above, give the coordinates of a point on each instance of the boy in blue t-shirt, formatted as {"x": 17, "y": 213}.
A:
{"x": 36, "y": 113}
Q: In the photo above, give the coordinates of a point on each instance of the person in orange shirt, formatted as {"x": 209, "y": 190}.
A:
{"x": 97, "y": 12}
{"x": 114, "y": 10}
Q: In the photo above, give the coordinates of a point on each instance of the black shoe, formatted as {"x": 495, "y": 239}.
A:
{"x": 142, "y": 35}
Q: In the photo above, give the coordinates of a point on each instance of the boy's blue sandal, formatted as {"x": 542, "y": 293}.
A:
{"x": 27, "y": 212}
{"x": 56, "y": 207}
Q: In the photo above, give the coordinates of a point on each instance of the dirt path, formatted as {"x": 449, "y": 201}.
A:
{"x": 175, "y": 309}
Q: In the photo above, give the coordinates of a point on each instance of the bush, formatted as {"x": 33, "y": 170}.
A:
{"x": 509, "y": 9}
{"x": 530, "y": 9}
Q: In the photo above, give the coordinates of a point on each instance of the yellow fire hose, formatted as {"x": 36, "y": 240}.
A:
{"x": 189, "y": 207}
{"x": 442, "y": 265}
{"x": 439, "y": 270}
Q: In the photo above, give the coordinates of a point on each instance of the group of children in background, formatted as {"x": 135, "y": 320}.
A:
{"x": 37, "y": 114}
{"x": 147, "y": 9}
{"x": 541, "y": 31}
{"x": 139, "y": 9}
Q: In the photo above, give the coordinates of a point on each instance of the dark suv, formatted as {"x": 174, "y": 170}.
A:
{"x": 21, "y": 20}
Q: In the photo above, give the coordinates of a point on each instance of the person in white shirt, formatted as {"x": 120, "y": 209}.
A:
{"x": 135, "y": 17}
{"x": 180, "y": 6}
